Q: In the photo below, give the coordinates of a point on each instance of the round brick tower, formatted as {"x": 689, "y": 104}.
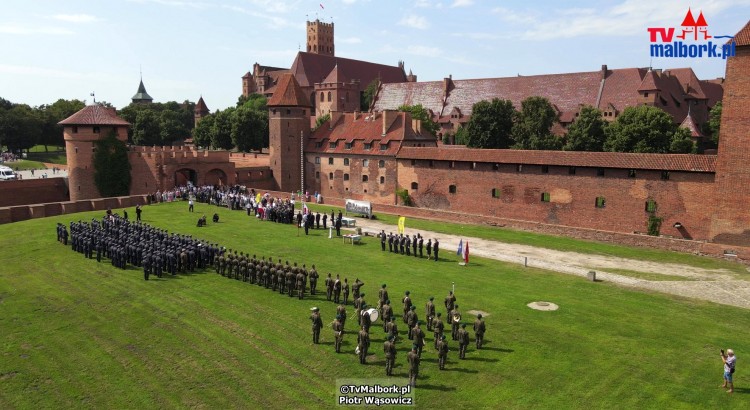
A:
{"x": 80, "y": 130}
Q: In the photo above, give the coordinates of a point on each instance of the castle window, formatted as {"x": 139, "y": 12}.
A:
{"x": 495, "y": 193}
{"x": 346, "y": 177}
{"x": 631, "y": 173}
{"x": 368, "y": 145}
{"x": 348, "y": 145}
{"x": 496, "y": 167}
{"x": 651, "y": 206}
{"x": 76, "y": 150}
{"x": 600, "y": 202}
{"x": 317, "y": 175}
{"x": 319, "y": 144}
{"x": 289, "y": 112}
{"x": 382, "y": 180}
{"x": 75, "y": 130}
{"x": 381, "y": 164}
{"x": 413, "y": 162}
{"x": 329, "y": 96}
{"x": 452, "y": 164}
{"x": 365, "y": 178}
{"x": 330, "y": 175}
{"x": 473, "y": 165}
{"x": 600, "y": 172}
{"x": 432, "y": 164}
{"x": 545, "y": 169}
{"x": 572, "y": 170}
{"x": 332, "y": 144}
{"x": 330, "y": 160}
{"x": 322, "y": 96}
{"x": 414, "y": 186}
{"x": 452, "y": 189}
{"x": 365, "y": 162}
{"x": 545, "y": 196}
{"x": 519, "y": 168}
{"x": 97, "y": 130}
{"x": 645, "y": 94}
{"x": 346, "y": 161}
{"x": 384, "y": 147}
{"x": 665, "y": 175}
{"x": 317, "y": 160}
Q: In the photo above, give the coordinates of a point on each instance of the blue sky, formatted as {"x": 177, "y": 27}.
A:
{"x": 187, "y": 48}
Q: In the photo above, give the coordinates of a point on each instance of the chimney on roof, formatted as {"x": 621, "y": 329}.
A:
{"x": 356, "y": 115}
{"x": 604, "y": 71}
{"x": 416, "y": 125}
{"x": 389, "y": 116}
{"x": 447, "y": 84}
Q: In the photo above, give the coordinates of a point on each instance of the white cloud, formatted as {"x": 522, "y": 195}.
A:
{"x": 428, "y": 4}
{"x": 462, "y": 3}
{"x": 76, "y": 18}
{"x": 17, "y": 29}
{"x": 424, "y": 51}
{"x": 515, "y": 17}
{"x": 414, "y": 22}
{"x": 350, "y": 40}
{"x": 274, "y": 21}
{"x": 480, "y": 36}
{"x": 176, "y": 3}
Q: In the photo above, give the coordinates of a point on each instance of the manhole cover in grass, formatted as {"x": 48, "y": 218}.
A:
{"x": 543, "y": 306}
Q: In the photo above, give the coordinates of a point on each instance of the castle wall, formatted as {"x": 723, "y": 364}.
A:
{"x": 329, "y": 180}
{"x": 33, "y": 191}
{"x": 79, "y": 148}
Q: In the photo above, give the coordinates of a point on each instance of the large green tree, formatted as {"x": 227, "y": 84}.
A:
{"x": 418, "y": 112}
{"x": 52, "y": 134}
{"x": 203, "y": 132}
{"x": 587, "y": 133}
{"x": 172, "y": 127}
{"x": 20, "y": 127}
{"x": 490, "y": 125}
{"x": 533, "y": 124}
{"x": 146, "y": 130}
{"x": 111, "y": 166}
{"x": 221, "y": 133}
{"x": 714, "y": 122}
{"x": 642, "y": 129}
{"x": 249, "y": 129}
{"x": 368, "y": 94}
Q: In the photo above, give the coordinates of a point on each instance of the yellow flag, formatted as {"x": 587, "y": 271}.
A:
{"x": 257, "y": 198}
{"x": 401, "y": 222}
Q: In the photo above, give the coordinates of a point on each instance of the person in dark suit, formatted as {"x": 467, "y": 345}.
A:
{"x": 435, "y": 249}
{"x": 317, "y": 220}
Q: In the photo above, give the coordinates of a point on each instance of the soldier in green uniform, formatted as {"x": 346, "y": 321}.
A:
{"x": 313, "y": 274}
{"x": 413, "y": 359}
{"x": 407, "y": 305}
{"x": 329, "y": 287}
{"x": 418, "y": 335}
{"x": 387, "y": 313}
{"x": 454, "y": 324}
{"x": 437, "y": 328}
{"x": 290, "y": 276}
{"x": 429, "y": 313}
{"x": 442, "y": 349}
{"x": 463, "y": 341}
{"x": 341, "y": 311}
{"x": 346, "y": 291}
{"x": 366, "y": 321}
{"x": 450, "y": 301}
{"x": 391, "y": 329}
{"x": 317, "y": 324}
{"x": 338, "y": 333}
{"x": 300, "y": 284}
{"x": 363, "y": 343}
{"x": 358, "y": 306}
{"x": 382, "y": 297}
{"x": 357, "y": 288}
{"x": 389, "y": 348}
{"x": 479, "y": 331}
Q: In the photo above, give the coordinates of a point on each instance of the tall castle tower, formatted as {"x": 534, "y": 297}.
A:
{"x": 201, "y": 110}
{"x": 731, "y": 220}
{"x": 80, "y": 131}
{"x": 288, "y": 128}
{"x": 320, "y": 38}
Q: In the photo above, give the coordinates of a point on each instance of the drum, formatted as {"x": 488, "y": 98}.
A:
{"x": 373, "y": 313}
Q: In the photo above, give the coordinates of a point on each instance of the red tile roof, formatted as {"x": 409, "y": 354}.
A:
{"x": 665, "y": 162}
{"x": 200, "y": 106}
{"x": 336, "y": 76}
{"x": 690, "y": 125}
{"x": 94, "y": 115}
{"x": 742, "y": 38}
{"x": 288, "y": 94}
{"x": 310, "y": 68}
{"x": 366, "y": 128}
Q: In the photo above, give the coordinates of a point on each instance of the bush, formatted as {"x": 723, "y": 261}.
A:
{"x": 111, "y": 167}
{"x": 654, "y": 225}
{"x": 403, "y": 195}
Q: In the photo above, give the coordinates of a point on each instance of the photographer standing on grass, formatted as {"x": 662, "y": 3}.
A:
{"x": 729, "y": 361}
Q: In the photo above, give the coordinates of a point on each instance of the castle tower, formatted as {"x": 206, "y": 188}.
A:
{"x": 731, "y": 220}
{"x": 80, "y": 131}
{"x": 142, "y": 97}
{"x": 288, "y": 127}
{"x": 320, "y": 38}
{"x": 201, "y": 110}
{"x": 336, "y": 94}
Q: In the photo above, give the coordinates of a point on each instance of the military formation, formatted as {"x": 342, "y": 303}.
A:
{"x": 409, "y": 245}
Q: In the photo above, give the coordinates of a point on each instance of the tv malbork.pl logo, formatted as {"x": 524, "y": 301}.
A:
{"x": 665, "y": 42}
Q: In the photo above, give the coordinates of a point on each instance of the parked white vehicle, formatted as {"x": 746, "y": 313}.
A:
{"x": 7, "y": 174}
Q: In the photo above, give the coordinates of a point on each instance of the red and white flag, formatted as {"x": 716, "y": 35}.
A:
{"x": 466, "y": 252}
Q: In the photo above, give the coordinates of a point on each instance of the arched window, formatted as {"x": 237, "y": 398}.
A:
{"x": 365, "y": 178}
{"x": 322, "y": 96}
{"x": 415, "y": 186}
{"x": 346, "y": 177}
{"x": 330, "y": 175}
{"x": 381, "y": 164}
{"x": 329, "y": 96}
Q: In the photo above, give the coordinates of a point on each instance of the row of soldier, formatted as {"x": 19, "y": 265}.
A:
{"x": 286, "y": 278}
{"x": 409, "y": 245}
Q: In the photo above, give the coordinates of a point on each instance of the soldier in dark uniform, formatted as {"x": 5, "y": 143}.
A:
{"x": 437, "y": 328}
{"x": 366, "y": 321}
{"x": 463, "y": 341}
{"x": 382, "y": 297}
{"x": 414, "y": 245}
{"x": 337, "y": 290}
{"x": 391, "y": 329}
{"x": 389, "y": 348}
{"x": 442, "y": 348}
{"x": 329, "y": 287}
{"x": 358, "y": 306}
{"x": 429, "y": 313}
{"x": 300, "y": 284}
{"x": 454, "y": 324}
{"x": 402, "y": 243}
{"x": 357, "y": 288}
{"x": 450, "y": 301}
{"x": 313, "y": 280}
{"x": 338, "y": 333}
{"x": 413, "y": 359}
{"x": 479, "y": 331}
{"x": 382, "y": 240}
{"x": 341, "y": 312}
{"x": 429, "y": 249}
{"x": 317, "y": 324}
{"x": 346, "y": 291}
{"x": 363, "y": 343}
{"x": 390, "y": 242}
{"x": 387, "y": 313}
{"x": 325, "y": 220}
{"x": 435, "y": 249}
{"x": 338, "y": 225}
{"x": 407, "y": 305}
{"x": 421, "y": 244}
{"x": 412, "y": 320}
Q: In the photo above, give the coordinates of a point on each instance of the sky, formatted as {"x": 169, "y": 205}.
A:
{"x": 185, "y": 49}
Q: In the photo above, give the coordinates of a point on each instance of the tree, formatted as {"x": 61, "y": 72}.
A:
{"x": 587, "y": 133}
{"x": 461, "y": 136}
{"x": 490, "y": 125}
{"x": 52, "y": 134}
{"x": 203, "y": 132}
{"x": 111, "y": 166}
{"x": 221, "y": 132}
{"x": 641, "y": 129}
{"x": 368, "y": 95}
{"x": 682, "y": 142}
{"x": 714, "y": 122}
{"x": 420, "y": 113}
{"x": 20, "y": 127}
{"x": 321, "y": 120}
{"x": 171, "y": 127}
{"x": 256, "y": 102}
{"x": 531, "y": 129}
{"x": 146, "y": 129}
{"x": 249, "y": 129}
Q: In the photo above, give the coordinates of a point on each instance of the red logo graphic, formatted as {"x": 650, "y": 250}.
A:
{"x": 690, "y": 25}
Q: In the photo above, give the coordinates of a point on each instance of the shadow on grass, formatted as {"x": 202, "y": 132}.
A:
{"x": 742, "y": 390}
{"x": 482, "y": 359}
{"x": 494, "y": 349}
{"x": 433, "y": 387}
{"x": 459, "y": 369}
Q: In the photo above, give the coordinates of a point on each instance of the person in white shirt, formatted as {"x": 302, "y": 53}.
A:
{"x": 729, "y": 360}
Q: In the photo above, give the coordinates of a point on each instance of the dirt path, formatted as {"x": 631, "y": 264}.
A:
{"x": 715, "y": 285}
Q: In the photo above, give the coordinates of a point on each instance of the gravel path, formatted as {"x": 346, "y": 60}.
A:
{"x": 715, "y": 285}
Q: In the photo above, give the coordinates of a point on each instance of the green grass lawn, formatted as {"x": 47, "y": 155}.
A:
{"x": 77, "y": 333}
{"x": 56, "y": 157}
{"x": 25, "y": 164}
